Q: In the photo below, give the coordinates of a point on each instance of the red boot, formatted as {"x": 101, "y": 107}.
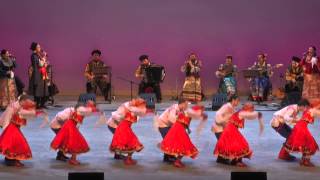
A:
{"x": 177, "y": 163}
{"x": 284, "y": 155}
{"x": 306, "y": 162}
{"x": 73, "y": 162}
{"x": 19, "y": 164}
{"x": 129, "y": 161}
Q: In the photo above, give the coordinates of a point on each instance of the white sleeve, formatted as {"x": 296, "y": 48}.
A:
{"x": 84, "y": 111}
{"x": 194, "y": 114}
{"x": 27, "y": 114}
{"x": 119, "y": 114}
{"x": 172, "y": 115}
{"x": 220, "y": 115}
{"x": 315, "y": 112}
{"x": 248, "y": 115}
{"x": 288, "y": 115}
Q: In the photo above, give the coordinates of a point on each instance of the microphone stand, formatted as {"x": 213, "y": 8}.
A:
{"x": 131, "y": 85}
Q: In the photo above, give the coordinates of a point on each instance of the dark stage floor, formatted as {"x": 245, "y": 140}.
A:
{"x": 150, "y": 166}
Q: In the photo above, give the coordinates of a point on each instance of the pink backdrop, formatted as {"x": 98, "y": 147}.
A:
{"x": 167, "y": 30}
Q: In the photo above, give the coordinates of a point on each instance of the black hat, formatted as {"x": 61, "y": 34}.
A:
{"x": 33, "y": 46}
{"x": 96, "y": 51}
{"x": 229, "y": 57}
{"x": 143, "y": 57}
{"x": 296, "y": 59}
{"x": 3, "y": 51}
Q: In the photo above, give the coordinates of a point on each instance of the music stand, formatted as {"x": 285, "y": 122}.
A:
{"x": 252, "y": 73}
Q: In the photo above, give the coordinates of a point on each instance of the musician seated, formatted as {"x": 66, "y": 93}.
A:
{"x": 261, "y": 86}
{"x": 147, "y": 85}
{"x": 227, "y": 74}
{"x": 97, "y": 80}
{"x": 294, "y": 76}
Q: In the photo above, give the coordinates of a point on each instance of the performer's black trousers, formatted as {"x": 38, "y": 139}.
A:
{"x": 218, "y": 135}
{"x": 59, "y": 153}
{"x": 284, "y": 130}
{"x": 104, "y": 87}
{"x": 112, "y": 130}
{"x": 143, "y": 88}
{"x": 164, "y": 131}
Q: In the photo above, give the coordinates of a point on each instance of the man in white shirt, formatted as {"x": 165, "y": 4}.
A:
{"x": 281, "y": 124}
{"x": 222, "y": 117}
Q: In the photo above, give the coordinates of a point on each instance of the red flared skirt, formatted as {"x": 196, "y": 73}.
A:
{"x": 13, "y": 145}
{"x": 231, "y": 144}
{"x": 301, "y": 140}
{"x": 177, "y": 142}
{"x": 70, "y": 140}
{"x": 124, "y": 140}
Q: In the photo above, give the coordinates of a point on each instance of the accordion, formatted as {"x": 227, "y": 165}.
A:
{"x": 101, "y": 71}
{"x": 154, "y": 74}
{"x": 251, "y": 73}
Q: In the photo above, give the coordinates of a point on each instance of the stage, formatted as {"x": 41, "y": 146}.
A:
{"x": 150, "y": 165}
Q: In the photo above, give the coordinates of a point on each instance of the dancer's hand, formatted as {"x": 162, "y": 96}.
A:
{"x": 204, "y": 116}
{"x": 45, "y": 119}
{"x": 261, "y": 126}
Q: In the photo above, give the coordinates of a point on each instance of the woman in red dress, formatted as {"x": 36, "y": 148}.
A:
{"x": 300, "y": 139}
{"x": 69, "y": 140}
{"x": 13, "y": 145}
{"x": 232, "y": 145}
{"x": 177, "y": 141}
{"x": 124, "y": 140}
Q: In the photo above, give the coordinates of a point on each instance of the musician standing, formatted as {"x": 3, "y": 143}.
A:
{"x": 38, "y": 76}
{"x": 192, "y": 84}
{"x": 261, "y": 86}
{"x": 311, "y": 72}
{"x": 8, "y": 90}
{"x": 227, "y": 73}
{"x": 294, "y": 76}
{"x": 147, "y": 85}
{"x": 103, "y": 81}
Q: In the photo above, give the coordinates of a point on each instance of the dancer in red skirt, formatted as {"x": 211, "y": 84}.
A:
{"x": 13, "y": 145}
{"x": 137, "y": 106}
{"x": 69, "y": 140}
{"x": 62, "y": 116}
{"x": 124, "y": 140}
{"x": 231, "y": 144}
{"x": 177, "y": 141}
{"x": 300, "y": 139}
{"x": 281, "y": 122}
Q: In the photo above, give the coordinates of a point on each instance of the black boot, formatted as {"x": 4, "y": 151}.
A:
{"x": 168, "y": 158}
{"x": 222, "y": 160}
{"x": 119, "y": 156}
{"x": 9, "y": 162}
{"x": 61, "y": 157}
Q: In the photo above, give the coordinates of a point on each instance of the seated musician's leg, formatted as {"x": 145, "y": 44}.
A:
{"x": 142, "y": 87}
{"x": 255, "y": 89}
{"x": 104, "y": 88}
{"x": 267, "y": 86}
{"x": 262, "y": 89}
{"x": 93, "y": 86}
{"x": 157, "y": 91}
